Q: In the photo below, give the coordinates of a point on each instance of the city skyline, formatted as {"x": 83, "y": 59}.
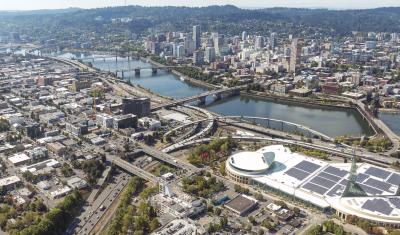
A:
{"x": 330, "y": 4}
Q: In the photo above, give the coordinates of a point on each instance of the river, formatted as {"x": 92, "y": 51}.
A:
{"x": 392, "y": 120}
{"x": 330, "y": 121}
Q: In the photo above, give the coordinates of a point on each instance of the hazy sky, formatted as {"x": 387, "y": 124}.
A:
{"x": 336, "y": 4}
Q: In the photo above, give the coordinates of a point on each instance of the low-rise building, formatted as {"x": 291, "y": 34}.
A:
{"x": 76, "y": 182}
{"x": 241, "y": 204}
{"x": 125, "y": 121}
{"x": 19, "y": 159}
{"x": 149, "y": 123}
{"x": 10, "y": 183}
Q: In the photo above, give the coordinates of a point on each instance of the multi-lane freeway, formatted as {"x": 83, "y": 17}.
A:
{"x": 86, "y": 222}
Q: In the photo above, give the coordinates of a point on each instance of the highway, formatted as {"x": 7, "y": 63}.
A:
{"x": 134, "y": 169}
{"x": 92, "y": 214}
{"x": 339, "y": 151}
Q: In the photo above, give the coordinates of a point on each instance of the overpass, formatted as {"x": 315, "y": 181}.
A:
{"x": 127, "y": 166}
{"x": 312, "y": 132}
{"x": 201, "y": 97}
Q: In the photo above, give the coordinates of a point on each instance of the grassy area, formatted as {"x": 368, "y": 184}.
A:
{"x": 377, "y": 144}
{"x": 216, "y": 151}
{"x": 162, "y": 169}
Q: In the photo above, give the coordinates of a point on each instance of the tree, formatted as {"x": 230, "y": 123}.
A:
{"x": 222, "y": 168}
{"x": 252, "y": 220}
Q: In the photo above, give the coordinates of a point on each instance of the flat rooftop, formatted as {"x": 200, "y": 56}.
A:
{"x": 323, "y": 184}
{"x": 241, "y": 204}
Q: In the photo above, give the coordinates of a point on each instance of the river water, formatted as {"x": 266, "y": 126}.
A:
{"x": 392, "y": 120}
{"x": 330, "y": 121}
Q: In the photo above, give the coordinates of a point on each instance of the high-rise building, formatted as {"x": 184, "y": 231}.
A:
{"x": 219, "y": 44}
{"x": 198, "y": 57}
{"x": 14, "y": 36}
{"x": 272, "y": 40}
{"x": 189, "y": 46}
{"x": 197, "y": 36}
{"x": 259, "y": 43}
{"x": 138, "y": 106}
{"x": 180, "y": 51}
{"x": 295, "y": 54}
{"x": 209, "y": 55}
{"x": 244, "y": 36}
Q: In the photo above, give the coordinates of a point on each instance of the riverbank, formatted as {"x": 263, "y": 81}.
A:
{"x": 297, "y": 100}
{"x": 393, "y": 111}
{"x": 187, "y": 79}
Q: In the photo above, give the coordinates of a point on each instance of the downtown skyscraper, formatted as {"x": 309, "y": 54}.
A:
{"x": 197, "y": 36}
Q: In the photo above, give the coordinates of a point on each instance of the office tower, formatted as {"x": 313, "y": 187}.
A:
{"x": 219, "y": 44}
{"x": 244, "y": 36}
{"x": 295, "y": 53}
{"x": 198, "y": 57}
{"x": 209, "y": 55}
{"x": 197, "y": 36}
{"x": 259, "y": 43}
{"x": 272, "y": 40}
{"x": 180, "y": 51}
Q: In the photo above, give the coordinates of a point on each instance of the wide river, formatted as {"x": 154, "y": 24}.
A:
{"x": 330, "y": 121}
{"x": 392, "y": 120}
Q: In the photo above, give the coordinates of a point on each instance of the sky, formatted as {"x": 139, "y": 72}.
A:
{"x": 331, "y": 4}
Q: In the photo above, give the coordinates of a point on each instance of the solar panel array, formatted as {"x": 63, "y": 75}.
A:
{"x": 327, "y": 182}
{"x": 332, "y": 181}
{"x": 378, "y": 205}
{"x": 302, "y": 170}
{"x": 395, "y": 202}
{"x": 394, "y": 179}
{"x": 379, "y": 173}
{"x": 384, "y": 181}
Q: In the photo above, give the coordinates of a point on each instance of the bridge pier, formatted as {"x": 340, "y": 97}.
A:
{"x": 202, "y": 100}
{"x": 154, "y": 70}
{"x": 122, "y": 73}
{"x": 235, "y": 92}
{"x": 217, "y": 96}
{"x": 137, "y": 72}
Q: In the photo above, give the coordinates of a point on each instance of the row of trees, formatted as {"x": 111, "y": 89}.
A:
{"x": 328, "y": 227}
{"x": 376, "y": 144}
{"x": 141, "y": 219}
{"x": 57, "y": 219}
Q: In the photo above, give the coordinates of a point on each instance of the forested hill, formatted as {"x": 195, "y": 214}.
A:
{"x": 224, "y": 19}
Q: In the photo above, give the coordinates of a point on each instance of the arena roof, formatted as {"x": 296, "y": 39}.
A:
{"x": 249, "y": 161}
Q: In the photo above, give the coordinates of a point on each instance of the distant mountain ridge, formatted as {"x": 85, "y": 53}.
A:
{"x": 227, "y": 19}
